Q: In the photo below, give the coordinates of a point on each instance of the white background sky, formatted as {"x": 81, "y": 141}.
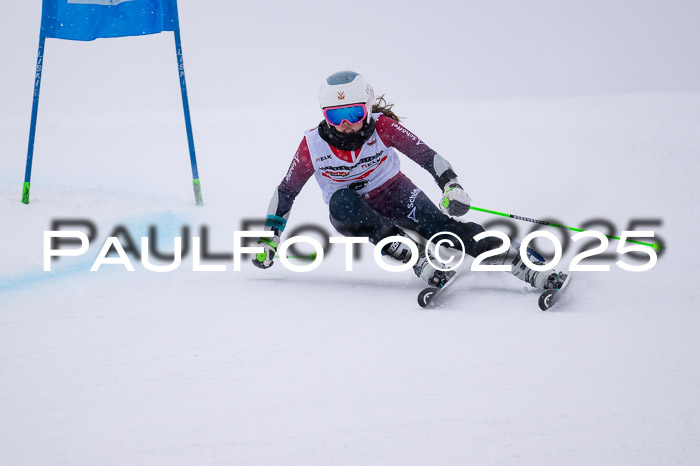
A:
{"x": 248, "y": 52}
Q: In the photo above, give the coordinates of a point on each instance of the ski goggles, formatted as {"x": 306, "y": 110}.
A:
{"x": 351, "y": 113}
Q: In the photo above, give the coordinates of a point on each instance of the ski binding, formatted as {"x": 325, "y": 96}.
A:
{"x": 550, "y": 297}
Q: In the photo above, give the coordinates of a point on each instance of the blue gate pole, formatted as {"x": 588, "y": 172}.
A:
{"x": 32, "y": 127}
{"x": 188, "y": 122}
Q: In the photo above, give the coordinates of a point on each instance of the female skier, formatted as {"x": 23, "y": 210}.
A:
{"x": 352, "y": 155}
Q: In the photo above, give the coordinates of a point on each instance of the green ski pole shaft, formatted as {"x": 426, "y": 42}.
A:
{"x": 656, "y": 246}
{"x": 311, "y": 257}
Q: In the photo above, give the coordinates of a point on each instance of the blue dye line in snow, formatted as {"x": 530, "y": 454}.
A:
{"x": 29, "y": 279}
{"x": 168, "y": 224}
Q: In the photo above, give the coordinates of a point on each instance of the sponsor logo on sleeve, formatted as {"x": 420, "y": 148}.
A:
{"x": 412, "y": 136}
{"x": 292, "y": 167}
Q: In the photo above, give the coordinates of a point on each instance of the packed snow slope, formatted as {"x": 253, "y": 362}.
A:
{"x": 332, "y": 367}
{"x": 278, "y": 367}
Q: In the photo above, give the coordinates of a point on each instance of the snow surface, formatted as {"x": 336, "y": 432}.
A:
{"x": 331, "y": 367}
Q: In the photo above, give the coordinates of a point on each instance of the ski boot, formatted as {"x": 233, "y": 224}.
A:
{"x": 423, "y": 268}
{"x": 555, "y": 280}
{"x": 398, "y": 250}
{"x": 545, "y": 280}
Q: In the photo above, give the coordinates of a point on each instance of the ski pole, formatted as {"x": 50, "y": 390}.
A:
{"x": 311, "y": 257}
{"x": 656, "y": 246}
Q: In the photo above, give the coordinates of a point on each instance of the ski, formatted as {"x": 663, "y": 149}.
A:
{"x": 550, "y": 297}
{"x": 428, "y": 295}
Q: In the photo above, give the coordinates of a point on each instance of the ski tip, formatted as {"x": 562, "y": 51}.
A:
{"x": 426, "y": 296}
{"x": 547, "y": 299}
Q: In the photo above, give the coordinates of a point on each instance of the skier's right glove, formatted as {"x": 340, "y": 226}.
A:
{"x": 455, "y": 201}
{"x": 265, "y": 259}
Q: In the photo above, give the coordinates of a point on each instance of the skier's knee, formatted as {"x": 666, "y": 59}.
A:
{"x": 487, "y": 244}
{"x": 343, "y": 204}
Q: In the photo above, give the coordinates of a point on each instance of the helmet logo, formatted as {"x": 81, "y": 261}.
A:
{"x": 341, "y": 95}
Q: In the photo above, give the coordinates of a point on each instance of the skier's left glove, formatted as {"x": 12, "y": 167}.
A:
{"x": 454, "y": 201}
{"x": 265, "y": 259}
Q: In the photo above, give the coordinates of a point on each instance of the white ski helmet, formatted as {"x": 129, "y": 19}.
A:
{"x": 345, "y": 88}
